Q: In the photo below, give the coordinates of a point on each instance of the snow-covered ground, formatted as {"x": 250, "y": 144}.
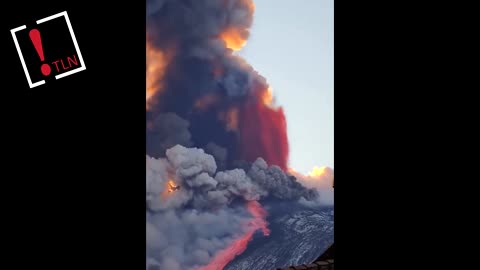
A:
{"x": 298, "y": 235}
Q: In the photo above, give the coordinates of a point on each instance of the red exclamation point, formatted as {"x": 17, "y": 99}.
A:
{"x": 37, "y": 42}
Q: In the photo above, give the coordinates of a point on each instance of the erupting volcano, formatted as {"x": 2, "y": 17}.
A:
{"x": 213, "y": 126}
{"x": 193, "y": 72}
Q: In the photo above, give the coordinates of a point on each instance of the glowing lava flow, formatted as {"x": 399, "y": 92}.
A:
{"x": 238, "y": 246}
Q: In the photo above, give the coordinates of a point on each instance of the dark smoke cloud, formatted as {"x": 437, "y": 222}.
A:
{"x": 206, "y": 213}
{"x": 166, "y": 131}
{"x": 193, "y": 27}
{"x": 279, "y": 184}
{"x": 219, "y": 153}
{"x": 183, "y": 20}
{"x": 201, "y": 65}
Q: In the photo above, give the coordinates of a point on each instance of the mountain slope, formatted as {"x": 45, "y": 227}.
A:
{"x": 298, "y": 235}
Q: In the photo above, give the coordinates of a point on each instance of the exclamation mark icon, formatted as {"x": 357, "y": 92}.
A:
{"x": 37, "y": 42}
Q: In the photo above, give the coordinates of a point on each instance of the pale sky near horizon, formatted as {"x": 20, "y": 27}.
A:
{"x": 291, "y": 45}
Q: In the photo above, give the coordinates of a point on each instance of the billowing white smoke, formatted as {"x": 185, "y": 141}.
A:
{"x": 186, "y": 227}
{"x": 182, "y": 240}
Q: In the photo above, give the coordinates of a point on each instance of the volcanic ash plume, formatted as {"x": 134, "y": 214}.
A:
{"x": 200, "y": 218}
{"x": 193, "y": 72}
{"x": 216, "y": 143}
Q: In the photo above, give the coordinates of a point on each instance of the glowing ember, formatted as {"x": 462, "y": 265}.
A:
{"x": 170, "y": 187}
{"x": 238, "y": 246}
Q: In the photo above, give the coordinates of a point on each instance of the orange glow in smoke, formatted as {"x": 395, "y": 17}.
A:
{"x": 232, "y": 118}
{"x": 205, "y": 102}
{"x": 156, "y": 63}
{"x": 170, "y": 188}
{"x": 238, "y": 246}
{"x": 267, "y": 96}
{"x": 233, "y": 39}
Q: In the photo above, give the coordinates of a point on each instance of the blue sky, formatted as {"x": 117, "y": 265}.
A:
{"x": 291, "y": 45}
